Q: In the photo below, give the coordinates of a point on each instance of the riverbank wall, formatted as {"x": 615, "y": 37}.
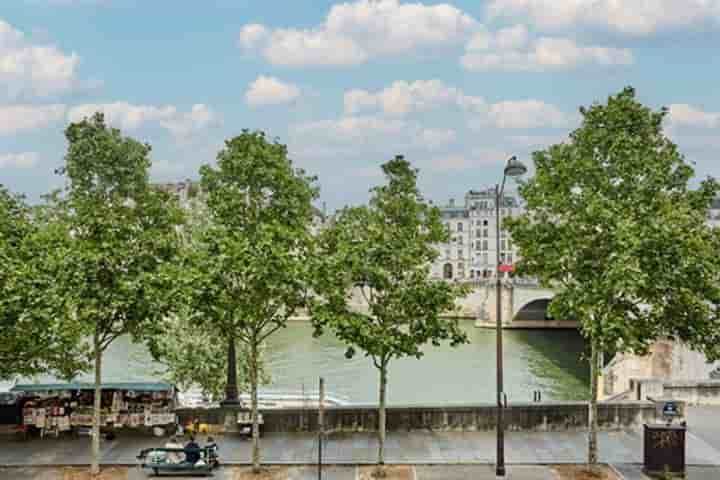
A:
{"x": 541, "y": 416}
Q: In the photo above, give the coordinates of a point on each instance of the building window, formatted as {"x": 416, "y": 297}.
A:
{"x": 447, "y": 270}
{"x": 502, "y": 244}
{"x": 485, "y": 223}
{"x": 510, "y": 257}
{"x": 460, "y": 253}
{"x": 460, "y": 240}
{"x": 485, "y": 258}
{"x": 459, "y": 227}
{"x": 485, "y": 245}
{"x": 485, "y": 232}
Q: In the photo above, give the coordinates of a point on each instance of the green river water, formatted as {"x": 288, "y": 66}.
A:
{"x": 547, "y": 360}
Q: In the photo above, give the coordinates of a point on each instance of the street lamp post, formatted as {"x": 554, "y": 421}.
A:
{"x": 514, "y": 168}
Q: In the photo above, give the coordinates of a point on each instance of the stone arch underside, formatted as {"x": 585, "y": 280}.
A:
{"x": 535, "y": 310}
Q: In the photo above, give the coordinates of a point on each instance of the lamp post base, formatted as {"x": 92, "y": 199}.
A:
{"x": 500, "y": 471}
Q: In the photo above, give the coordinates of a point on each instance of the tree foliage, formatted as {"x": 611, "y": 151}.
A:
{"x": 121, "y": 231}
{"x": 383, "y": 252}
{"x": 194, "y": 358}
{"x": 33, "y": 340}
{"x": 612, "y": 222}
{"x": 249, "y": 270}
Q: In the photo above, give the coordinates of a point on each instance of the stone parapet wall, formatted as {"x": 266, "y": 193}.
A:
{"x": 544, "y": 416}
{"x": 692, "y": 392}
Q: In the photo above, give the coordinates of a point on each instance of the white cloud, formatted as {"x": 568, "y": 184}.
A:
{"x": 27, "y": 69}
{"x": 449, "y": 163}
{"x": 251, "y": 35}
{"x": 183, "y": 125}
{"x": 270, "y": 91}
{"x": 511, "y": 49}
{"x": 524, "y": 114}
{"x": 132, "y": 117}
{"x": 19, "y": 160}
{"x": 351, "y": 128}
{"x": 434, "y": 138}
{"x": 684, "y": 115}
{"x": 18, "y": 118}
{"x": 630, "y": 17}
{"x": 352, "y": 33}
{"x": 536, "y": 141}
{"x": 402, "y": 98}
{"x": 477, "y": 158}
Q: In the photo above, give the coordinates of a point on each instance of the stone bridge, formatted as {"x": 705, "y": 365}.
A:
{"x": 524, "y": 305}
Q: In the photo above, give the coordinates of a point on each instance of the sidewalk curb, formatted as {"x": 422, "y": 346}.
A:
{"x": 335, "y": 464}
{"x": 616, "y": 471}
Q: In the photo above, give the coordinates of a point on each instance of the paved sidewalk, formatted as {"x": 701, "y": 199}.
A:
{"x": 419, "y": 472}
{"x": 359, "y": 448}
{"x": 634, "y": 472}
{"x": 455, "y": 472}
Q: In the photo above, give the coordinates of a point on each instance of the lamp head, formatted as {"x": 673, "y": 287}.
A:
{"x": 515, "y": 167}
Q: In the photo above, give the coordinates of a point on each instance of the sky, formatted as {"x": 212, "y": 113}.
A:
{"x": 457, "y": 87}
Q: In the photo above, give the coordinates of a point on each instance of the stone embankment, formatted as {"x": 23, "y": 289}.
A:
{"x": 546, "y": 416}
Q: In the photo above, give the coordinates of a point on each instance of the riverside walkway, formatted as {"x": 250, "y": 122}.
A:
{"x": 413, "y": 448}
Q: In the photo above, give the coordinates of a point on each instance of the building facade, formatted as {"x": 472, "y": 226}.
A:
{"x": 471, "y": 250}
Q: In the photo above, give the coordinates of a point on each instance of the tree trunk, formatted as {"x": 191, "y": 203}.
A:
{"x": 95, "y": 465}
{"x": 231, "y": 387}
{"x": 254, "y": 406}
{"x": 381, "y": 419}
{"x": 592, "y": 412}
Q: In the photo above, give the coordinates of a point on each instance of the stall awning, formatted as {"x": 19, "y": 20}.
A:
{"x": 136, "y": 386}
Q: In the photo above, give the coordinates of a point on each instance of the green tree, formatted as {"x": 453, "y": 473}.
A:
{"x": 250, "y": 270}
{"x": 383, "y": 252}
{"x": 187, "y": 347}
{"x": 613, "y": 224}
{"x": 120, "y": 232}
{"x": 193, "y": 358}
{"x": 33, "y": 342}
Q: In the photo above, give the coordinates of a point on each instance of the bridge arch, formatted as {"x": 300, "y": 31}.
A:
{"x": 534, "y": 310}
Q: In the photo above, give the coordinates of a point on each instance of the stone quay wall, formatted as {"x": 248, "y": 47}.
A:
{"x": 692, "y": 392}
{"x": 543, "y": 416}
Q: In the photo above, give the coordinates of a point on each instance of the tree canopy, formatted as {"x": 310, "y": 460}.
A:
{"x": 383, "y": 252}
{"x": 613, "y": 223}
{"x": 248, "y": 272}
{"x": 120, "y": 231}
{"x": 31, "y": 248}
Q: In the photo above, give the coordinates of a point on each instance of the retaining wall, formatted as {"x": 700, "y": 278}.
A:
{"x": 545, "y": 416}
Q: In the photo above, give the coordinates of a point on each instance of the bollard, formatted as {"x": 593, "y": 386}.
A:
{"x": 321, "y": 424}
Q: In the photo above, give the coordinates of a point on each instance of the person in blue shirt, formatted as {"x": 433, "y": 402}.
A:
{"x": 192, "y": 451}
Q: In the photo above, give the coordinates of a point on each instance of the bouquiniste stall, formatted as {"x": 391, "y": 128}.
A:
{"x": 67, "y": 407}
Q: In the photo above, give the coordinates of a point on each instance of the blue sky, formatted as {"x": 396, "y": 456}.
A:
{"x": 456, "y": 86}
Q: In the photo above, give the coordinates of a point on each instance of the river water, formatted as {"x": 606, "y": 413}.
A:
{"x": 547, "y": 360}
